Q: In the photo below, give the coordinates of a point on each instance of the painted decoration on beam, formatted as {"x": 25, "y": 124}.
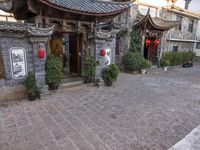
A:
{"x": 18, "y": 62}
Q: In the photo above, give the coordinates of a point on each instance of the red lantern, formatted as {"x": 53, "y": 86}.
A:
{"x": 156, "y": 42}
{"x": 147, "y": 42}
{"x": 103, "y": 53}
{"x": 41, "y": 53}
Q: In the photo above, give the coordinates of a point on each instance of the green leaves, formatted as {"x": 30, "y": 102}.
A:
{"x": 110, "y": 74}
{"x": 136, "y": 40}
{"x": 132, "y": 61}
{"x": 89, "y": 69}
{"x": 177, "y": 58}
{"x": 54, "y": 69}
{"x": 30, "y": 83}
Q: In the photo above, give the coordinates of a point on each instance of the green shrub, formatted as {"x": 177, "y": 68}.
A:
{"x": 178, "y": 58}
{"x": 190, "y": 56}
{"x": 31, "y": 87}
{"x": 54, "y": 70}
{"x": 136, "y": 40}
{"x": 165, "y": 63}
{"x": 110, "y": 74}
{"x": 132, "y": 61}
{"x": 89, "y": 69}
{"x": 145, "y": 64}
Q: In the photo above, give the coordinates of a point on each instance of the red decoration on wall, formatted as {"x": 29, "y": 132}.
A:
{"x": 156, "y": 42}
{"x": 147, "y": 42}
{"x": 41, "y": 53}
{"x": 103, "y": 53}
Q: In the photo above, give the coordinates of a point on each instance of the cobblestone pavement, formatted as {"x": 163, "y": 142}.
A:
{"x": 140, "y": 112}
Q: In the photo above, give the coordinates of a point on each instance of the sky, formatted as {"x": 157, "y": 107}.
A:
{"x": 195, "y": 4}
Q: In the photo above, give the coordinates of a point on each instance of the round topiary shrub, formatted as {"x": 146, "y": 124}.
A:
{"x": 132, "y": 61}
{"x": 110, "y": 74}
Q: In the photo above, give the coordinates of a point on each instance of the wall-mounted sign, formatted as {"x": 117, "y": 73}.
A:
{"x": 18, "y": 62}
{"x": 107, "y": 57}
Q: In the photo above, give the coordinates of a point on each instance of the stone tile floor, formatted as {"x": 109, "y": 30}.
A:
{"x": 140, "y": 112}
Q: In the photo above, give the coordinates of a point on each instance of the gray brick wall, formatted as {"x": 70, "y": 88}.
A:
{"x": 104, "y": 43}
{"x": 6, "y": 43}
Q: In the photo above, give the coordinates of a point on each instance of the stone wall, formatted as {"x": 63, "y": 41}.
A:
{"x": 12, "y": 89}
{"x": 100, "y": 44}
{"x": 184, "y": 39}
{"x": 6, "y": 43}
{"x": 126, "y": 19}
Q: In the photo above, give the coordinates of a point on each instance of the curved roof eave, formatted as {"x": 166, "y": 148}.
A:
{"x": 148, "y": 18}
{"x": 88, "y": 13}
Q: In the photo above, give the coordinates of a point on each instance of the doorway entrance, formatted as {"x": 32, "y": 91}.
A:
{"x": 150, "y": 50}
{"x": 67, "y": 46}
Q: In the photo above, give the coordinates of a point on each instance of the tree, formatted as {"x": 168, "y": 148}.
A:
{"x": 136, "y": 40}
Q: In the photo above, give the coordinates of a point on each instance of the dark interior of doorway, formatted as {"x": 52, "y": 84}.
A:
{"x": 150, "y": 51}
{"x": 71, "y": 54}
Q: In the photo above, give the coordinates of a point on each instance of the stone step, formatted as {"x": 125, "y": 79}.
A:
{"x": 65, "y": 84}
{"x": 71, "y": 84}
{"x": 73, "y": 79}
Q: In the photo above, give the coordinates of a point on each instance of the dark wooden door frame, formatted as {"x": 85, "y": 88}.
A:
{"x": 75, "y": 53}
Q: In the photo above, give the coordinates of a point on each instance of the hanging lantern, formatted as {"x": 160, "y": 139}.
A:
{"x": 147, "y": 42}
{"x": 103, "y": 52}
{"x": 156, "y": 42}
{"x": 41, "y": 53}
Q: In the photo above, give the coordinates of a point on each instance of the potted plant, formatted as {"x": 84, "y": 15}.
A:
{"x": 31, "y": 87}
{"x": 144, "y": 65}
{"x": 165, "y": 63}
{"x": 89, "y": 69}
{"x": 110, "y": 74}
{"x": 54, "y": 72}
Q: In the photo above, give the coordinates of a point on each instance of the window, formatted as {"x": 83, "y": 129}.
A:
{"x": 198, "y": 45}
{"x": 179, "y": 27}
{"x": 175, "y": 49}
{"x": 191, "y": 25}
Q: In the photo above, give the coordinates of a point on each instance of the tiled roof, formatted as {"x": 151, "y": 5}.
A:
{"x": 12, "y": 26}
{"x": 89, "y": 7}
{"x": 155, "y": 22}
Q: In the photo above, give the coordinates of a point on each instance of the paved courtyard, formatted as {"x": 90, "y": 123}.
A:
{"x": 151, "y": 112}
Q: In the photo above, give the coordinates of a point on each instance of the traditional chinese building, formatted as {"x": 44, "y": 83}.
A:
{"x": 66, "y": 28}
{"x": 153, "y": 29}
{"x": 168, "y": 28}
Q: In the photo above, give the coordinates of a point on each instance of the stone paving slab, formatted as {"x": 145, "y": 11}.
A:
{"x": 190, "y": 142}
{"x": 139, "y": 112}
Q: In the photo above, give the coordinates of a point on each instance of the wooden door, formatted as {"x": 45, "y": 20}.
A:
{"x": 75, "y": 55}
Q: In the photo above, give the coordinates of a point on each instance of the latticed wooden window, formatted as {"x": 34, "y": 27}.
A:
{"x": 1, "y": 67}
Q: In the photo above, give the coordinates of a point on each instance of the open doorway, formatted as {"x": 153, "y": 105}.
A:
{"x": 150, "y": 49}
{"x": 67, "y": 46}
